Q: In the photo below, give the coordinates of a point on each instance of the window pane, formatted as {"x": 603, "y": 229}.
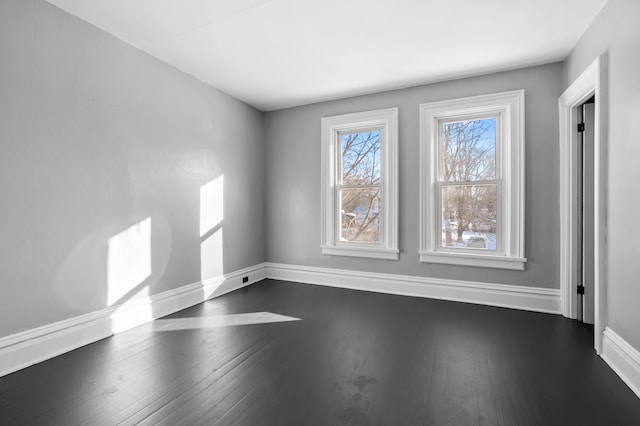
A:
{"x": 468, "y": 150}
{"x": 361, "y": 158}
{"x": 361, "y": 215}
{"x": 469, "y": 216}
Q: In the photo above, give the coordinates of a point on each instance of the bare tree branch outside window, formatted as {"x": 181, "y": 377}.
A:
{"x": 468, "y": 183}
{"x": 360, "y": 188}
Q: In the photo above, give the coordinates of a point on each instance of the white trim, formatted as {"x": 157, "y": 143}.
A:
{"x": 470, "y": 259}
{"x": 20, "y": 350}
{"x": 373, "y": 253}
{"x": 502, "y": 295}
{"x": 387, "y": 121}
{"x": 590, "y": 83}
{"x": 623, "y": 358}
{"x": 508, "y": 108}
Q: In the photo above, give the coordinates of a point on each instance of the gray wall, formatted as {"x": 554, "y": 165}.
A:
{"x": 96, "y": 136}
{"x": 293, "y": 178}
{"x": 617, "y": 32}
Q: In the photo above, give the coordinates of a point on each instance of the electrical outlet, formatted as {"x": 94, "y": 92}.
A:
{"x": 245, "y": 280}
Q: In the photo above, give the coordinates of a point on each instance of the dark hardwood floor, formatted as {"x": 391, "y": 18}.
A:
{"x": 352, "y": 358}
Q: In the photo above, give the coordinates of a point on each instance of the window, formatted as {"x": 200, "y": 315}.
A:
{"x": 472, "y": 181}
{"x": 359, "y": 184}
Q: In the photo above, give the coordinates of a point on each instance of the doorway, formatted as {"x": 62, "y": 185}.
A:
{"x": 584, "y": 193}
{"x": 578, "y": 232}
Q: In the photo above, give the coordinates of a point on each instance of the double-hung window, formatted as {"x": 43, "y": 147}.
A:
{"x": 472, "y": 181}
{"x": 359, "y": 184}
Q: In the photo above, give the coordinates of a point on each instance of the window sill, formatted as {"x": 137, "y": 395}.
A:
{"x": 372, "y": 253}
{"x": 478, "y": 260}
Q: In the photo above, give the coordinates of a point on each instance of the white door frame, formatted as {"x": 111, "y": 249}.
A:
{"x": 591, "y": 82}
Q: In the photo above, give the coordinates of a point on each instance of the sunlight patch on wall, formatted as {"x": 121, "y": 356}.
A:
{"x": 211, "y": 234}
{"x": 129, "y": 263}
{"x": 216, "y": 321}
{"x": 211, "y": 205}
{"x": 211, "y": 256}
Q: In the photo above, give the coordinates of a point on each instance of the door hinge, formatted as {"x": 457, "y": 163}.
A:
{"x": 581, "y": 127}
{"x": 580, "y": 289}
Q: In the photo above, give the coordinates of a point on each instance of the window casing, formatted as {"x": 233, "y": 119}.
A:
{"x": 472, "y": 181}
{"x": 359, "y": 184}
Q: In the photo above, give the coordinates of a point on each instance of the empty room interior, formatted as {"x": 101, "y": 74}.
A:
{"x": 279, "y": 212}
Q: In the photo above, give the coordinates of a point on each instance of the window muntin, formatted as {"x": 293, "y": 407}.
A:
{"x": 468, "y": 183}
{"x": 361, "y": 214}
{"x": 469, "y": 216}
{"x": 360, "y": 157}
{"x": 472, "y": 181}
{"x": 359, "y": 184}
{"x": 468, "y": 150}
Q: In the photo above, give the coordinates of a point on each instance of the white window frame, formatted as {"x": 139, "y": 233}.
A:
{"x": 508, "y": 108}
{"x": 385, "y": 120}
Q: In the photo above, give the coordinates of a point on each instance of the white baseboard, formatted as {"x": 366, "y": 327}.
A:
{"x": 26, "y": 348}
{"x": 623, "y": 358}
{"x": 508, "y": 296}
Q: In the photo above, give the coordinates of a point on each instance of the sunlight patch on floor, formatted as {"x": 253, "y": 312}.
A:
{"x": 216, "y": 321}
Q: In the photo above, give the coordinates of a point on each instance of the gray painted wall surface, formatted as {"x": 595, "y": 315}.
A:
{"x": 617, "y": 32}
{"x": 293, "y": 178}
{"x": 96, "y": 136}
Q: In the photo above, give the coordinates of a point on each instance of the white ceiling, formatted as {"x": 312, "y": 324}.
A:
{"x": 275, "y": 54}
